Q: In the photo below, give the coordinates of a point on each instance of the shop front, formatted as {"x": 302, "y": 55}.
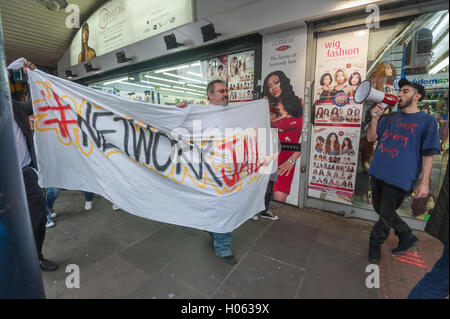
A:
{"x": 318, "y": 65}
{"x": 184, "y": 76}
{"x": 408, "y": 45}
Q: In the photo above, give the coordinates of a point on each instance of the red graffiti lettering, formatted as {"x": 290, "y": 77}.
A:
{"x": 397, "y": 137}
{"x": 63, "y": 122}
{"x": 251, "y": 167}
{"x": 406, "y": 125}
{"x": 392, "y": 151}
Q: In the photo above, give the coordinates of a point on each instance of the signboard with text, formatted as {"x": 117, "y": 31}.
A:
{"x": 119, "y": 23}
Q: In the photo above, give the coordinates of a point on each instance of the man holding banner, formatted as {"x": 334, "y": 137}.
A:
{"x": 218, "y": 95}
{"x": 27, "y": 158}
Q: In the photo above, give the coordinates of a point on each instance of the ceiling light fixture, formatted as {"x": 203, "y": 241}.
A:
{"x": 162, "y": 79}
{"x": 197, "y": 86}
{"x": 184, "y": 78}
{"x": 439, "y": 66}
{"x": 154, "y": 83}
{"x": 196, "y": 74}
{"x": 116, "y": 81}
{"x": 54, "y": 5}
{"x": 172, "y": 68}
{"x": 172, "y": 90}
{"x": 143, "y": 86}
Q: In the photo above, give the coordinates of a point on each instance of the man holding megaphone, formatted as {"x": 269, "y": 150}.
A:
{"x": 407, "y": 141}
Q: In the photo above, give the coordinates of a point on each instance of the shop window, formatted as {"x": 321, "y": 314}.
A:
{"x": 418, "y": 49}
{"x": 187, "y": 81}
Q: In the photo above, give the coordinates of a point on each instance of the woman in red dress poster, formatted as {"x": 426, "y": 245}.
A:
{"x": 286, "y": 116}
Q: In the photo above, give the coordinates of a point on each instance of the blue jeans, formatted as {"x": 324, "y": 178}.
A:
{"x": 222, "y": 244}
{"x": 52, "y": 195}
{"x": 434, "y": 285}
{"x": 88, "y": 196}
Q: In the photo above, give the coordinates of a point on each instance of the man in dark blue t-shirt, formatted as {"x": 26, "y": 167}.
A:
{"x": 407, "y": 141}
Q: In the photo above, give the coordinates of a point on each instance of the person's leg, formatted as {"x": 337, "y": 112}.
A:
{"x": 268, "y": 213}
{"x": 434, "y": 285}
{"x": 36, "y": 206}
{"x": 386, "y": 199}
{"x": 222, "y": 244}
{"x": 268, "y": 196}
{"x": 88, "y": 197}
{"x": 52, "y": 195}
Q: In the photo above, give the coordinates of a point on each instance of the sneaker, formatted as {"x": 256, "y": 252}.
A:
{"x": 374, "y": 254}
{"x": 255, "y": 217}
{"x": 88, "y": 205}
{"x": 115, "y": 207}
{"x": 47, "y": 265}
{"x": 52, "y": 213}
{"x": 230, "y": 260}
{"x": 405, "y": 244}
{"x": 50, "y": 223}
{"x": 269, "y": 215}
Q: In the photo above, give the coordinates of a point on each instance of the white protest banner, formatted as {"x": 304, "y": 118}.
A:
{"x": 205, "y": 167}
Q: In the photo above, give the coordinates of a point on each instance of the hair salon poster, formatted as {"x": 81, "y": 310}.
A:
{"x": 341, "y": 64}
{"x": 241, "y": 72}
{"x": 216, "y": 69}
{"x": 283, "y": 78}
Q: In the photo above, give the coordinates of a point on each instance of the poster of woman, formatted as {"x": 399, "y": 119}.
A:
{"x": 338, "y": 159}
{"x": 286, "y": 111}
{"x": 87, "y": 53}
{"x": 216, "y": 69}
{"x": 283, "y": 79}
{"x": 240, "y": 76}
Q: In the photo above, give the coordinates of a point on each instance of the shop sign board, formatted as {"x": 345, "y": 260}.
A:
{"x": 119, "y": 23}
{"x": 429, "y": 81}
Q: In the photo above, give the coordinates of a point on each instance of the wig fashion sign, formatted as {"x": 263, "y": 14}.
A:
{"x": 205, "y": 167}
{"x": 341, "y": 65}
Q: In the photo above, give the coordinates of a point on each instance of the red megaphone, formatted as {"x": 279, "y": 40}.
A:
{"x": 365, "y": 92}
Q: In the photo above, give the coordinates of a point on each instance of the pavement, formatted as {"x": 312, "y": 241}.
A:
{"x": 306, "y": 254}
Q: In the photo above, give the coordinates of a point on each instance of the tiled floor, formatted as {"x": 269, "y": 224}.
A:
{"x": 305, "y": 254}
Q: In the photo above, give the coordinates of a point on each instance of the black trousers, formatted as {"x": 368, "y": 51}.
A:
{"x": 386, "y": 200}
{"x": 36, "y": 207}
{"x": 268, "y": 196}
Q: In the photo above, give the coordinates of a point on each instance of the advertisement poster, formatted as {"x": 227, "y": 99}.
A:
{"x": 241, "y": 75}
{"x": 341, "y": 67}
{"x": 119, "y": 23}
{"x": 216, "y": 69}
{"x": 283, "y": 78}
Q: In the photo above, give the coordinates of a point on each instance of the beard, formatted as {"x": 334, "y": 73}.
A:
{"x": 224, "y": 101}
{"x": 405, "y": 103}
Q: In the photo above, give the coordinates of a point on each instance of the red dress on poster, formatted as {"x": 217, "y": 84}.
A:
{"x": 289, "y": 131}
